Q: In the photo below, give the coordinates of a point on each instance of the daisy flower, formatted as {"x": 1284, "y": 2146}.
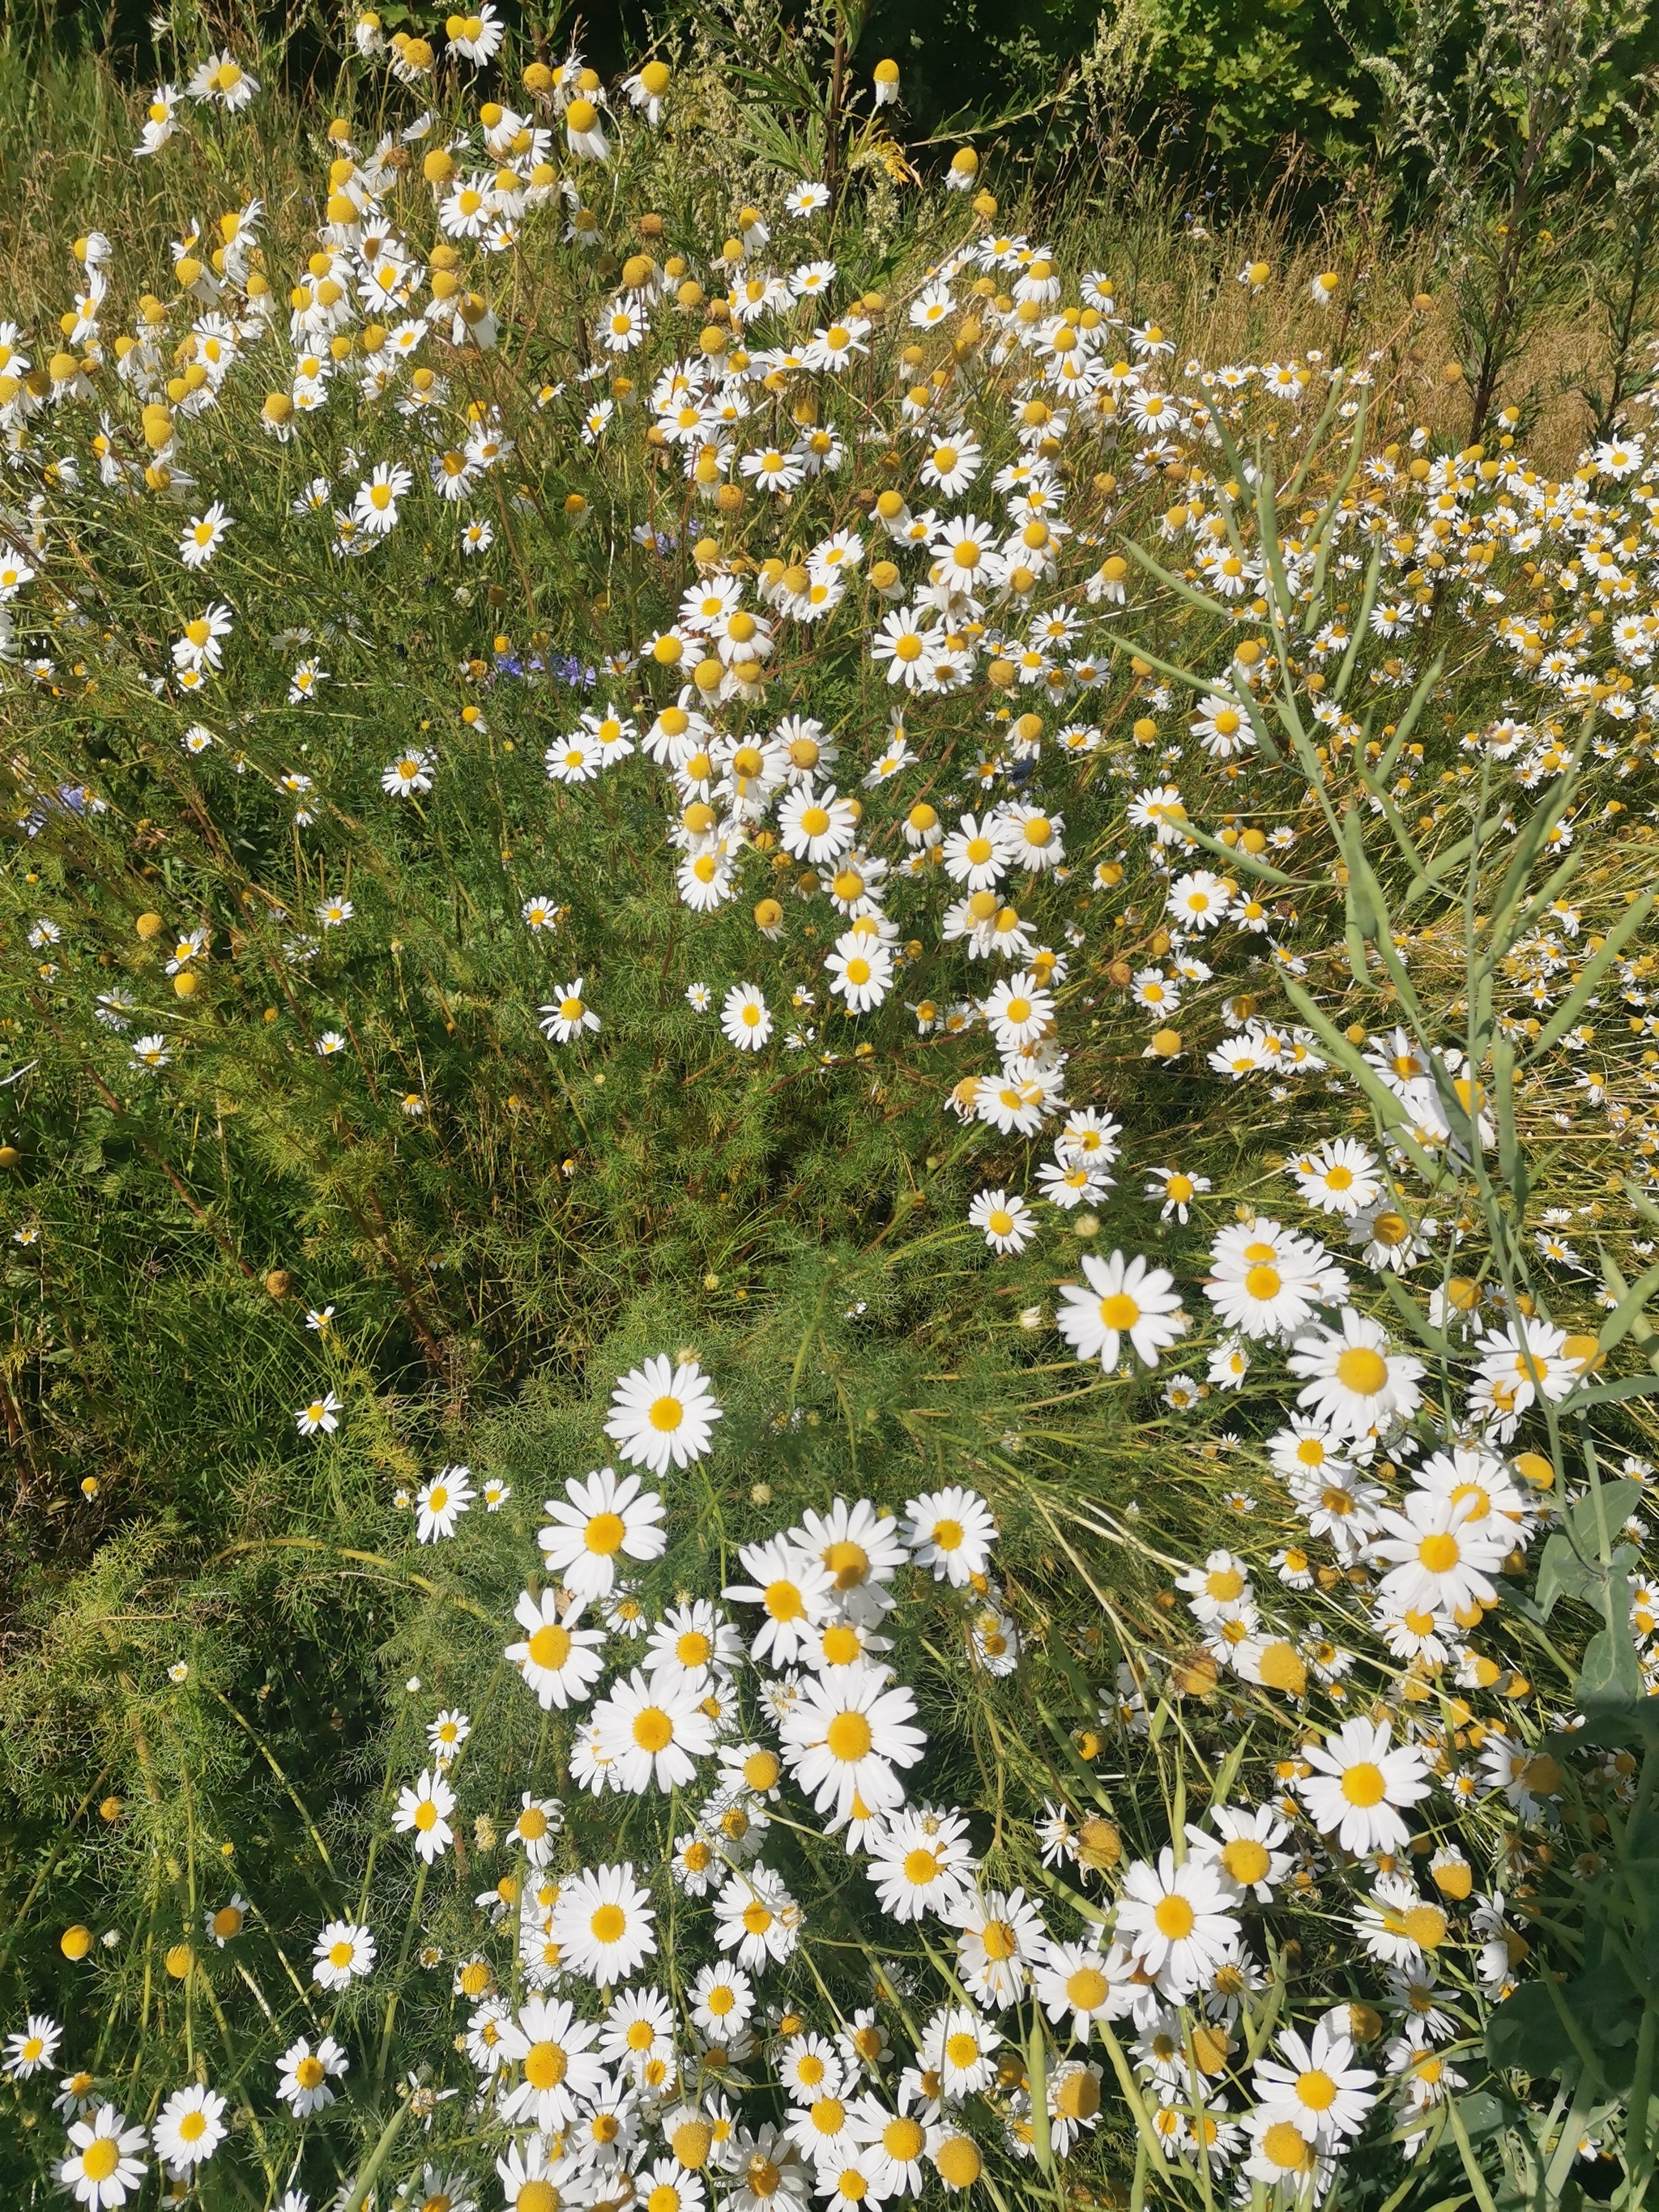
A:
{"x": 409, "y": 774}
{"x": 1177, "y": 1920}
{"x": 603, "y": 1922}
{"x": 845, "y": 1735}
{"x": 304, "y": 2074}
{"x": 920, "y": 1861}
{"x": 423, "y": 1811}
{"x": 653, "y": 1728}
{"x": 952, "y": 1531}
{"x": 1359, "y": 1785}
{"x": 1353, "y": 1376}
{"x": 33, "y": 2047}
{"x": 794, "y": 1590}
{"x": 189, "y": 2128}
{"x": 960, "y": 2048}
{"x": 662, "y": 1414}
{"x": 1001, "y": 1939}
{"x": 746, "y": 1018}
{"x": 1007, "y": 1224}
{"x": 554, "y": 2050}
{"x": 440, "y": 1503}
{"x": 344, "y": 1953}
{"x": 103, "y": 2167}
{"x": 1443, "y": 1550}
{"x": 203, "y": 536}
{"x": 1314, "y": 2085}
{"x": 1071, "y": 1980}
{"x": 567, "y": 1015}
{"x": 1341, "y": 1177}
{"x": 1123, "y": 1298}
{"x": 320, "y": 1417}
{"x": 602, "y": 1515}
{"x": 1172, "y": 1190}
{"x": 756, "y": 1918}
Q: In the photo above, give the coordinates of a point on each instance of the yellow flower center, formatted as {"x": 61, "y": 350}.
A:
{"x": 1362, "y": 1785}
{"x": 783, "y": 1602}
{"x": 1174, "y": 1917}
{"x": 550, "y": 1646}
{"x": 1362, "y": 1371}
{"x": 1246, "y": 1860}
{"x": 653, "y": 1731}
{"x": 604, "y": 1534}
{"x": 848, "y": 1562}
{"x": 848, "y": 1737}
{"x": 544, "y": 2065}
{"x": 1283, "y": 2144}
{"x": 1316, "y": 2089}
{"x": 1000, "y": 1939}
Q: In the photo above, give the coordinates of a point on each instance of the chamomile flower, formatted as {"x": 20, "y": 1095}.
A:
{"x": 103, "y": 2167}
{"x": 663, "y": 1414}
{"x": 745, "y": 1017}
{"x": 599, "y": 1519}
{"x": 847, "y": 1735}
{"x": 1006, "y": 1224}
{"x": 1360, "y": 1785}
{"x": 203, "y": 536}
{"x": 604, "y": 1924}
{"x": 305, "y": 2073}
{"x": 1122, "y": 1298}
{"x": 32, "y": 2048}
{"x": 568, "y": 1018}
{"x": 189, "y": 2128}
{"x": 344, "y": 1953}
{"x": 440, "y": 1503}
{"x": 1177, "y": 1919}
{"x": 422, "y": 1811}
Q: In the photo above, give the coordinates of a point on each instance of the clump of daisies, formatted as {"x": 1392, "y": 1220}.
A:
{"x": 696, "y": 698}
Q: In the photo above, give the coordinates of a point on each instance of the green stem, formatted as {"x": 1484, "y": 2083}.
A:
{"x": 377, "y": 2158}
{"x": 402, "y": 1964}
{"x": 1641, "y": 2094}
{"x": 1466, "y": 2152}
